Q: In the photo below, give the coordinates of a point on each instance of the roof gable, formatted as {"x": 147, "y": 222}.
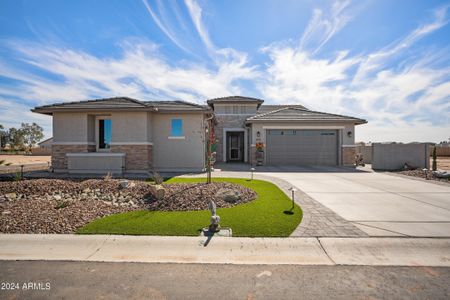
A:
{"x": 302, "y": 114}
{"x": 235, "y": 100}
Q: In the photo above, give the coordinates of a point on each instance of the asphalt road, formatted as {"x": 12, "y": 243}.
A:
{"x": 92, "y": 280}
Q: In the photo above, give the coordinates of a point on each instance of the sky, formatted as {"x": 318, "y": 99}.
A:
{"x": 381, "y": 60}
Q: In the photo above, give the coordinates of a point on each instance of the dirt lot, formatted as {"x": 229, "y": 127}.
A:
{"x": 24, "y": 159}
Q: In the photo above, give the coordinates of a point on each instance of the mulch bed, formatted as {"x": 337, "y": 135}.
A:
{"x": 62, "y": 206}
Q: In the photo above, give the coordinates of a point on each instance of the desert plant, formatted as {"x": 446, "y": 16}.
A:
{"x": 17, "y": 176}
{"x": 61, "y": 204}
{"x": 2, "y": 163}
{"x": 108, "y": 176}
{"x": 157, "y": 178}
{"x": 434, "y": 159}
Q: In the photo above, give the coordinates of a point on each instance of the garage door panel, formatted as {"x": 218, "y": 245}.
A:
{"x": 301, "y": 147}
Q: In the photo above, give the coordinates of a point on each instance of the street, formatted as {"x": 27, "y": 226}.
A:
{"x": 96, "y": 280}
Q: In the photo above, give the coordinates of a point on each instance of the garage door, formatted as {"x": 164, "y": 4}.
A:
{"x": 301, "y": 147}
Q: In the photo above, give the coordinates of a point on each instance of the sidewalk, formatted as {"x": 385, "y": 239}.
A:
{"x": 221, "y": 250}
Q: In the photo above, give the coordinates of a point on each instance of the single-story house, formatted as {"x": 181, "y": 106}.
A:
{"x": 43, "y": 148}
{"x": 127, "y": 135}
{"x": 46, "y": 144}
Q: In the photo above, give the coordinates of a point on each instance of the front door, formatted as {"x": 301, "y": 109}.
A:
{"x": 235, "y": 146}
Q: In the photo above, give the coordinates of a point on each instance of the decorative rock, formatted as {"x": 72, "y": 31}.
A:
{"x": 6, "y": 212}
{"x": 57, "y": 197}
{"x": 11, "y": 196}
{"x": 124, "y": 184}
{"x": 158, "y": 190}
{"x": 229, "y": 196}
{"x": 86, "y": 190}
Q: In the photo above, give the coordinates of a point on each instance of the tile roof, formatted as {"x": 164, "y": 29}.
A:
{"x": 176, "y": 105}
{"x": 118, "y": 103}
{"x": 301, "y": 114}
{"x": 265, "y": 108}
{"x": 235, "y": 99}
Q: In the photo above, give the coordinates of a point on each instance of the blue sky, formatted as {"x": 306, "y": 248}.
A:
{"x": 385, "y": 61}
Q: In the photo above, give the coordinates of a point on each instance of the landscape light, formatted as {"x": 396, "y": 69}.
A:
{"x": 293, "y": 190}
{"x": 253, "y": 170}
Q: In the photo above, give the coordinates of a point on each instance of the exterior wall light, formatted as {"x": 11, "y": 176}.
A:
{"x": 349, "y": 134}
{"x": 258, "y": 134}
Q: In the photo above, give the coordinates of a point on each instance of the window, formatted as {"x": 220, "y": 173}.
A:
{"x": 282, "y": 132}
{"x": 104, "y": 134}
{"x": 177, "y": 127}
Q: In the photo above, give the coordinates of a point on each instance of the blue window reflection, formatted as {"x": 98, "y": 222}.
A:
{"x": 177, "y": 127}
{"x": 104, "y": 134}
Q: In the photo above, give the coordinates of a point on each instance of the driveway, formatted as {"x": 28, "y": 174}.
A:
{"x": 377, "y": 203}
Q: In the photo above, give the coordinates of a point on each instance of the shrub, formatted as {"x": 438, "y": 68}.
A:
{"x": 157, "y": 178}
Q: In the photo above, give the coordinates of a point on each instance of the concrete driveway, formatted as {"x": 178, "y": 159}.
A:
{"x": 377, "y": 203}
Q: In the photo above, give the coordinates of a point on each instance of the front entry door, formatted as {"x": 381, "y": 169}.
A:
{"x": 235, "y": 146}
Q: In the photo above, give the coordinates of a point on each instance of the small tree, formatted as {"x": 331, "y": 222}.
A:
{"x": 3, "y": 137}
{"x": 16, "y": 138}
{"x": 434, "y": 159}
{"x": 32, "y": 134}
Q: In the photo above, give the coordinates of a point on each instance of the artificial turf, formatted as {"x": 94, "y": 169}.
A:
{"x": 263, "y": 217}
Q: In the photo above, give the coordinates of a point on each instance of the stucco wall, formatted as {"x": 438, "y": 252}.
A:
{"x": 178, "y": 154}
{"x": 70, "y": 127}
{"x": 129, "y": 127}
{"x": 394, "y": 156}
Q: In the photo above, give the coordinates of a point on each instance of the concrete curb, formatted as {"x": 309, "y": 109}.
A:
{"x": 222, "y": 250}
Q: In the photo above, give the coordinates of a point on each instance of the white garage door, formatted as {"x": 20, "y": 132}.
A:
{"x": 301, "y": 147}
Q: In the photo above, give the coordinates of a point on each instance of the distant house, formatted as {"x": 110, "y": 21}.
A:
{"x": 128, "y": 135}
{"x": 43, "y": 148}
{"x": 46, "y": 144}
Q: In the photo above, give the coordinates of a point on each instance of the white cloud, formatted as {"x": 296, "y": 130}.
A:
{"x": 406, "y": 101}
{"x": 164, "y": 28}
{"x": 377, "y": 60}
{"x": 324, "y": 25}
{"x": 412, "y": 96}
{"x": 141, "y": 72}
{"x": 195, "y": 12}
{"x": 13, "y": 113}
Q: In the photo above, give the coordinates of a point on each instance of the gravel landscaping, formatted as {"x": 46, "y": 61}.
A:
{"x": 62, "y": 206}
{"x": 421, "y": 174}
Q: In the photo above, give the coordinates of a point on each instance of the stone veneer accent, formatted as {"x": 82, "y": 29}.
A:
{"x": 137, "y": 157}
{"x": 348, "y": 156}
{"x": 59, "y": 159}
{"x": 226, "y": 121}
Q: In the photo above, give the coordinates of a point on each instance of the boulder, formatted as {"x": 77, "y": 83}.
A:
{"x": 123, "y": 184}
{"x": 11, "y": 196}
{"x": 227, "y": 195}
{"x": 158, "y": 191}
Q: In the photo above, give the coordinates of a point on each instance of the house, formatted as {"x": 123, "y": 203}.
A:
{"x": 43, "y": 148}
{"x": 128, "y": 135}
{"x": 46, "y": 144}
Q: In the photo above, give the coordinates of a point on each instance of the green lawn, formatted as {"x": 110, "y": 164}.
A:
{"x": 263, "y": 216}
